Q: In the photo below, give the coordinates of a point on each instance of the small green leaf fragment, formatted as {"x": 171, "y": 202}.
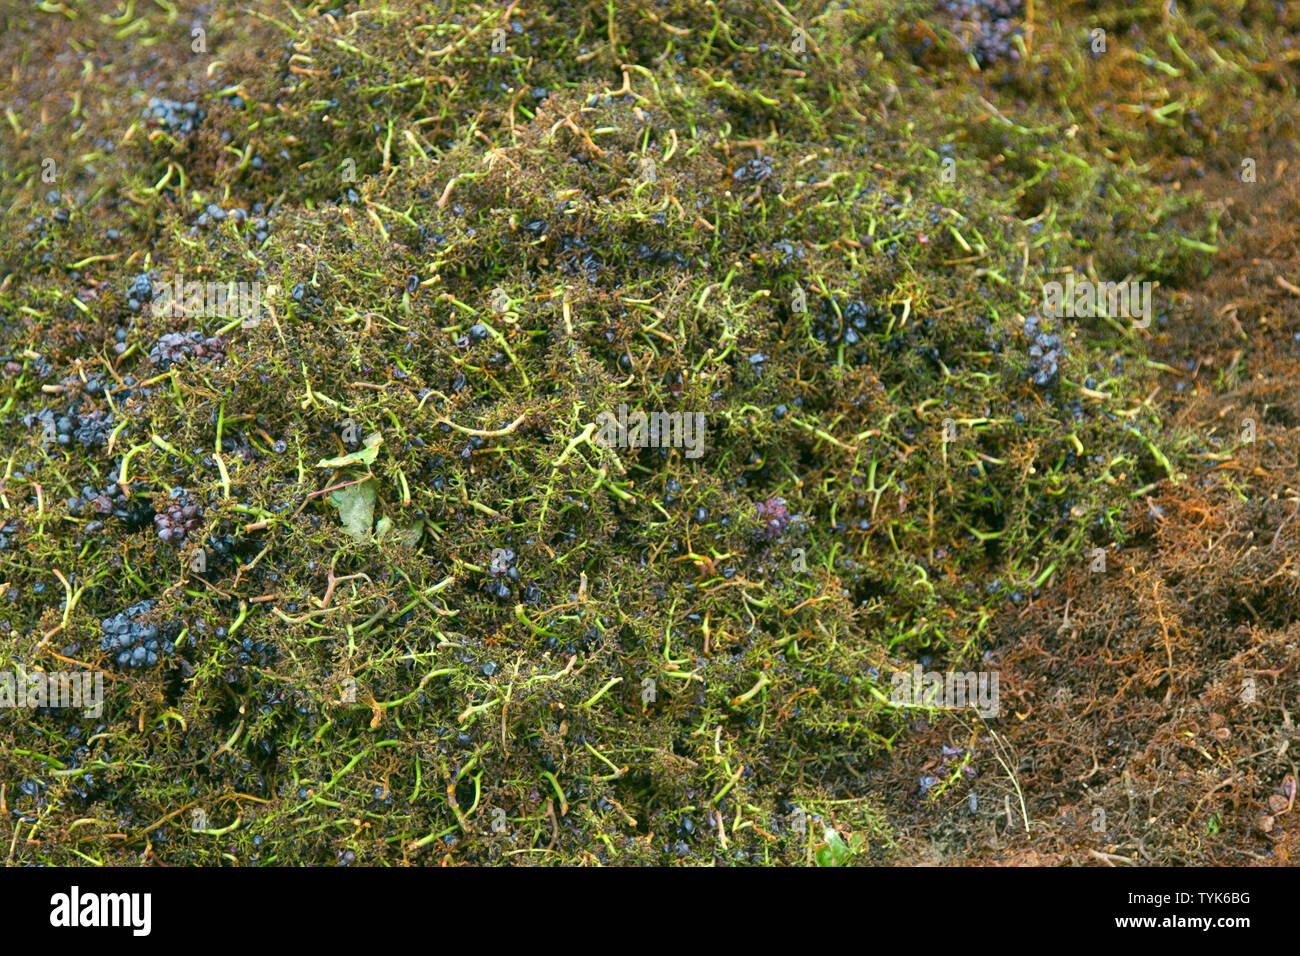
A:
{"x": 362, "y": 456}
{"x": 356, "y": 506}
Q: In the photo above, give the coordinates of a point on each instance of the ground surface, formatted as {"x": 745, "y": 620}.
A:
{"x": 364, "y": 586}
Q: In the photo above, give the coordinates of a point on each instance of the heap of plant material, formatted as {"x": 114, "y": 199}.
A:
{"x": 401, "y": 585}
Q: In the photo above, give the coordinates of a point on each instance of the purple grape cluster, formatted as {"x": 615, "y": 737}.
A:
{"x": 88, "y": 429}
{"x": 133, "y": 640}
{"x": 775, "y": 515}
{"x": 174, "y": 116}
{"x": 139, "y": 292}
{"x": 755, "y": 171}
{"x": 135, "y": 512}
{"x": 501, "y": 569}
{"x": 250, "y": 651}
{"x": 849, "y": 324}
{"x": 182, "y": 516}
{"x": 93, "y": 428}
{"x": 987, "y": 27}
{"x": 179, "y": 346}
{"x": 1045, "y": 354}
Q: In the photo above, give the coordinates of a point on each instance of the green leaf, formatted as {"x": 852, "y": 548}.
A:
{"x": 836, "y": 852}
{"x": 356, "y": 505}
{"x": 362, "y": 456}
